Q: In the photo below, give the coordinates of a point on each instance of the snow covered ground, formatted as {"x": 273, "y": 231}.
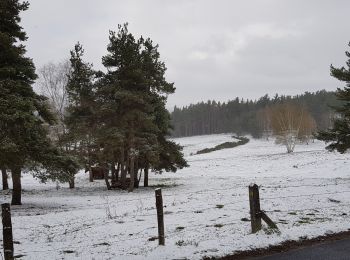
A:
{"x": 306, "y": 193}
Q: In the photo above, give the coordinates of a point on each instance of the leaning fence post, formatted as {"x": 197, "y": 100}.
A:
{"x": 7, "y": 231}
{"x": 254, "y": 203}
{"x": 268, "y": 221}
{"x": 160, "y": 216}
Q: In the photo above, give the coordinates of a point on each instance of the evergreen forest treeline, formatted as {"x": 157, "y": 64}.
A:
{"x": 242, "y": 116}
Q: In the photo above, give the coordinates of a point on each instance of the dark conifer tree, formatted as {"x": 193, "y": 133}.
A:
{"x": 80, "y": 120}
{"x": 132, "y": 98}
{"x": 23, "y": 113}
{"x": 339, "y": 134}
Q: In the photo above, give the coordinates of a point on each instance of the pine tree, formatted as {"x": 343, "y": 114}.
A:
{"x": 80, "y": 118}
{"x": 339, "y": 134}
{"x": 132, "y": 98}
{"x": 24, "y": 115}
{"x": 127, "y": 98}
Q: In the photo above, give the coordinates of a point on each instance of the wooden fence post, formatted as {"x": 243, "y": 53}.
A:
{"x": 268, "y": 221}
{"x": 255, "y": 212}
{"x": 160, "y": 216}
{"x": 7, "y": 231}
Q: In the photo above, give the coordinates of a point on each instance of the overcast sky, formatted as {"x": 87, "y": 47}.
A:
{"x": 213, "y": 49}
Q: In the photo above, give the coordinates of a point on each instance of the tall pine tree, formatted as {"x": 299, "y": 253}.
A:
{"x": 80, "y": 119}
{"x": 118, "y": 120}
{"x": 339, "y": 134}
{"x": 133, "y": 117}
{"x": 130, "y": 95}
{"x": 24, "y": 115}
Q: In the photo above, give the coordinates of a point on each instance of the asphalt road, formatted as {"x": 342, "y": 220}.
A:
{"x": 333, "y": 250}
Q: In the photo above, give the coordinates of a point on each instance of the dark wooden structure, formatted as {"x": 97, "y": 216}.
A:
{"x": 98, "y": 172}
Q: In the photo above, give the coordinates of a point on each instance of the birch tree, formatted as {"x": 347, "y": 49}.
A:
{"x": 286, "y": 122}
{"x": 52, "y": 81}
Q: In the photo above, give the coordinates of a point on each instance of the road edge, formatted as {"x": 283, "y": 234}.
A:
{"x": 283, "y": 247}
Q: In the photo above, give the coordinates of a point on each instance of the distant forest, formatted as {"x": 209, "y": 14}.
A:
{"x": 242, "y": 116}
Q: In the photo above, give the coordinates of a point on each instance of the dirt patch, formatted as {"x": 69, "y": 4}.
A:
{"x": 284, "y": 247}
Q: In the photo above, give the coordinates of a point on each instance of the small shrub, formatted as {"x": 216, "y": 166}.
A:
{"x": 68, "y": 251}
{"x": 270, "y": 231}
{"x": 186, "y": 243}
{"x": 152, "y": 238}
{"x": 218, "y": 225}
{"x": 333, "y": 200}
{"x": 180, "y": 228}
{"x": 180, "y": 243}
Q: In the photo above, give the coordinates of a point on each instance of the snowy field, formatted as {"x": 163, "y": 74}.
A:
{"x": 306, "y": 193}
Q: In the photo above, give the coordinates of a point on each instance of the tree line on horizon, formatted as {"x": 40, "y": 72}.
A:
{"x": 253, "y": 117}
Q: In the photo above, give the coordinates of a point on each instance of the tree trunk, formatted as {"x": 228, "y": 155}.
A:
{"x": 117, "y": 172}
{"x": 114, "y": 178}
{"x": 17, "y": 186}
{"x": 72, "y": 183}
{"x": 145, "y": 178}
{"x": 136, "y": 179}
{"x": 105, "y": 173}
{"x": 122, "y": 169}
{"x": 136, "y": 170}
{"x": 139, "y": 178}
{"x": 123, "y": 175}
{"x": 132, "y": 174}
{"x": 5, "y": 184}
{"x": 91, "y": 176}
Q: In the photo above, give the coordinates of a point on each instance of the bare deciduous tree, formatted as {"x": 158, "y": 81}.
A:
{"x": 264, "y": 122}
{"x": 291, "y": 122}
{"x": 307, "y": 129}
{"x": 53, "y": 78}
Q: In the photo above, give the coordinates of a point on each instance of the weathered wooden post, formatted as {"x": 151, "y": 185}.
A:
{"x": 7, "y": 231}
{"x": 255, "y": 212}
{"x": 160, "y": 216}
{"x": 268, "y": 221}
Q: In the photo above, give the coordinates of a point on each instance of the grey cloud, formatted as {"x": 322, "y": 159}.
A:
{"x": 213, "y": 49}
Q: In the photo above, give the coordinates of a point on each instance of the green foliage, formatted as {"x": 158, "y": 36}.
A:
{"x": 339, "y": 134}
{"x": 24, "y": 115}
{"x": 171, "y": 157}
{"x": 119, "y": 118}
{"x": 13, "y": 64}
{"x": 80, "y": 119}
{"x": 134, "y": 94}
